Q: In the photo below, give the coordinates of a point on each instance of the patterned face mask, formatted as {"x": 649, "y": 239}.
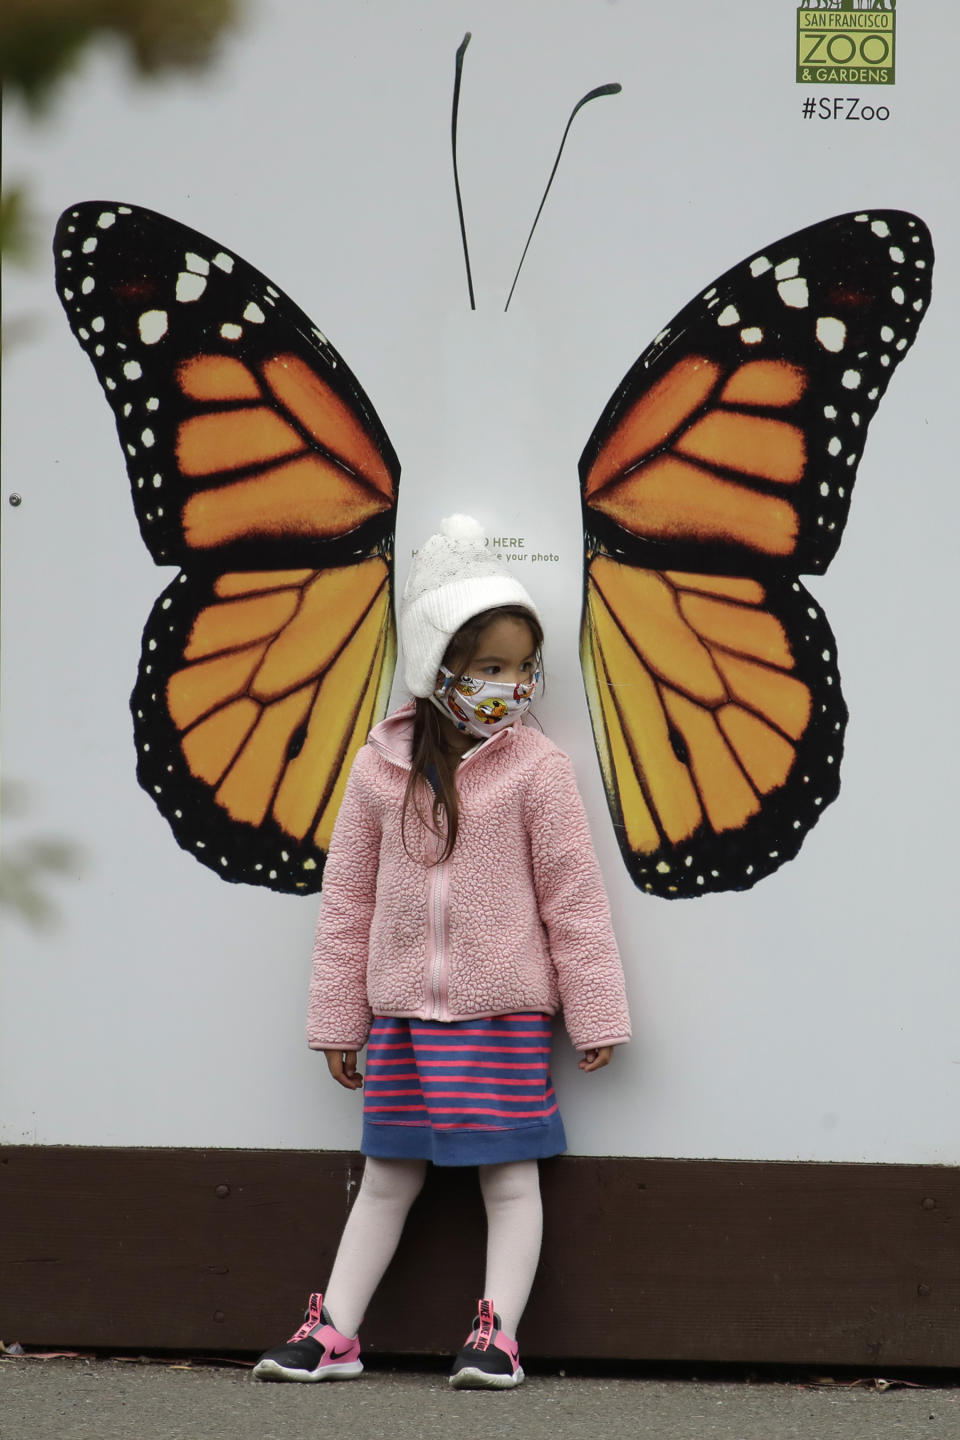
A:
{"x": 482, "y": 707}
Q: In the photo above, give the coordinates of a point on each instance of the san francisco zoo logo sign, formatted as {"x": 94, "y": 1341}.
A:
{"x": 846, "y": 42}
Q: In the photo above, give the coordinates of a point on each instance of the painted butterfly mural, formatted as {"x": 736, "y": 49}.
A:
{"x": 720, "y": 471}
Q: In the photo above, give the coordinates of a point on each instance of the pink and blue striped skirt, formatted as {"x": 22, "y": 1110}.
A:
{"x": 461, "y": 1092}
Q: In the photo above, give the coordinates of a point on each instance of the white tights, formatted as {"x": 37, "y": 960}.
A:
{"x": 511, "y": 1198}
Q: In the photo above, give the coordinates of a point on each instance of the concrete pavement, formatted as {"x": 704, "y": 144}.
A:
{"x": 133, "y": 1400}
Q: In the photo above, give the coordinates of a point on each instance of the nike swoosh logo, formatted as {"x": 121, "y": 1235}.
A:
{"x": 339, "y": 1354}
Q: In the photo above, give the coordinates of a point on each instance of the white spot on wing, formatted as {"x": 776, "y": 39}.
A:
{"x": 106, "y": 219}
{"x": 133, "y": 369}
{"x": 897, "y": 295}
{"x": 759, "y": 266}
{"x": 254, "y": 314}
{"x": 89, "y": 245}
{"x": 88, "y": 284}
{"x": 794, "y": 293}
{"x": 851, "y": 379}
{"x": 752, "y": 335}
{"x": 832, "y": 333}
{"x": 788, "y": 269}
{"x": 152, "y": 326}
{"x": 196, "y": 263}
{"x": 190, "y": 286}
{"x": 729, "y": 316}
{"x": 231, "y": 332}
{"x": 881, "y": 228}
{"x": 223, "y": 261}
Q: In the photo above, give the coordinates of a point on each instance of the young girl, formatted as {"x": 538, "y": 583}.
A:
{"x": 462, "y": 907}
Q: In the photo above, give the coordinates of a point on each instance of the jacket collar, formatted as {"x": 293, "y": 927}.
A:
{"x": 393, "y": 738}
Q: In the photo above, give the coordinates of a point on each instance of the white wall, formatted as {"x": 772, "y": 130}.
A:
{"x": 812, "y": 1018}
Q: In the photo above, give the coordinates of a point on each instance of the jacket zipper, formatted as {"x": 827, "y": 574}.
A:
{"x": 439, "y": 938}
{"x": 438, "y": 902}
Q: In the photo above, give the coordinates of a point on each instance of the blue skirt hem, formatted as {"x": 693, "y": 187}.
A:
{"x": 464, "y": 1147}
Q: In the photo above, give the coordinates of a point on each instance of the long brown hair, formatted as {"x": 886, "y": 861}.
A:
{"x": 432, "y": 758}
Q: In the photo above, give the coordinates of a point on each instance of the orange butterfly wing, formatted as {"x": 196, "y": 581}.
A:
{"x": 258, "y": 465}
{"x": 721, "y": 469}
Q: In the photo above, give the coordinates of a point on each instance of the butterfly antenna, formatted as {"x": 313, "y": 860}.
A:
{"x": 456, "y": 174}
{"x": 613, "y": 89}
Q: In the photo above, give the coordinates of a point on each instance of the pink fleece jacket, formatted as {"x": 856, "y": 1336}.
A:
{"x": 516, "y": 919}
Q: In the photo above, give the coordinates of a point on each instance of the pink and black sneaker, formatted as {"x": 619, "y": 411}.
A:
{"x": 489, "y": 1360}
{"x": 316, "y": 1352}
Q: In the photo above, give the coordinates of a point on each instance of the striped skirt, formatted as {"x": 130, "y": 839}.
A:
{"x": 461, "y": 1092}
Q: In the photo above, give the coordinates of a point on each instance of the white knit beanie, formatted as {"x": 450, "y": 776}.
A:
{"x": 453, "y": 577}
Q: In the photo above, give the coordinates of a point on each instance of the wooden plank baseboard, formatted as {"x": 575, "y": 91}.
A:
{"x": 643, "y": 1260}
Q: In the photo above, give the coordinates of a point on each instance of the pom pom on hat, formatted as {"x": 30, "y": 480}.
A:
{"x": 453, "y": 577}
{"x": 462, "y": 527}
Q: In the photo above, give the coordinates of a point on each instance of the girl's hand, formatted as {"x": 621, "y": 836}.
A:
{"x": 596, "y": 1059}
{"x": 342, "y": 1065}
